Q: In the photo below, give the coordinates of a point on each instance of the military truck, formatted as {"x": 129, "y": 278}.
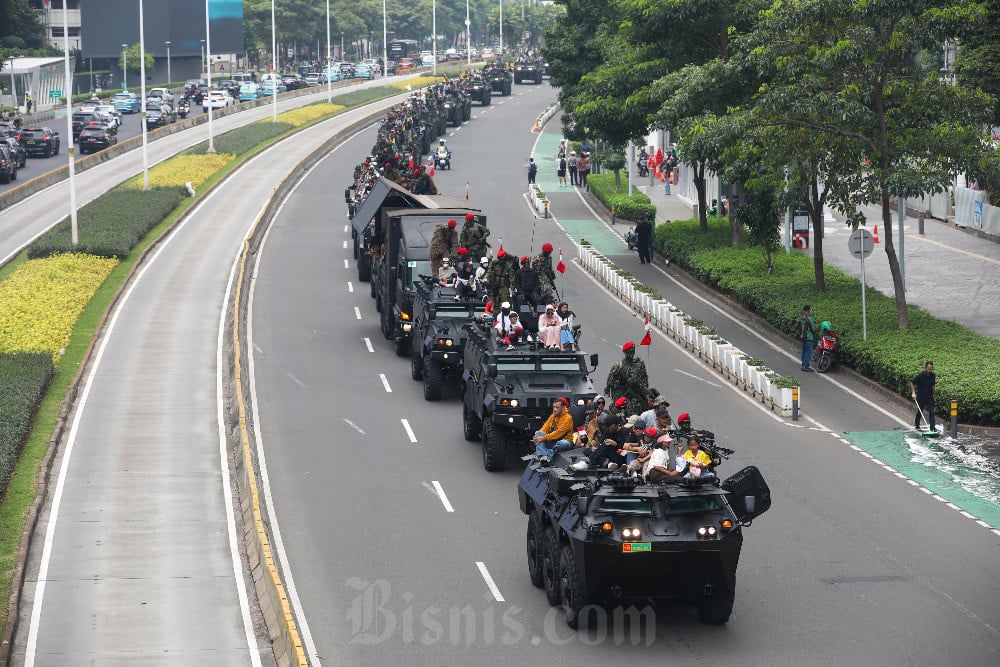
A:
{"x": 500, "y": 78}
{"x": 442, "y": 317}
{"x": 528, "y": 69}
{"x": 600, "y": 539}
{"x": 507, "y": 394}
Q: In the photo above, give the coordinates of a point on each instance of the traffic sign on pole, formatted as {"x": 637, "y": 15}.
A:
{"x": 861, "y": 243}
{"x": 55, "y": 94}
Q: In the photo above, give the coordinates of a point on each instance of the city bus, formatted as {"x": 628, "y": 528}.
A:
{"x": 403, "y": 48}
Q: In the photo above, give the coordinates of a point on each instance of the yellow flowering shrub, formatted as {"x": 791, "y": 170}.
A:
{"x": 181, "y": 169}
{"x": 307, "y": 114}
{"x": 41, "y": 301}
{"x": 418, "y": 82}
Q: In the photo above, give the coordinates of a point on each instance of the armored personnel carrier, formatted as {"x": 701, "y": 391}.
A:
{"x": 528, "y": 70}
{"x": 480, "y": 90}
{"x": 442, "y": 317}
{"x": 500, "y": 78}
{"x": 599, "y": 539}
{"x": 507, "y": 394}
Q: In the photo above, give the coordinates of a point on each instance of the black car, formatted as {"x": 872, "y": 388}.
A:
{"x": 158, "y": 115}
{"x": 42, "y": 141}
{"x": 230, "y": 86}
{"x": 97, "y": 136}
{"x": 8, "y": 166}
{"x": 81, "y": 119}
{"x": 17, "y": 150}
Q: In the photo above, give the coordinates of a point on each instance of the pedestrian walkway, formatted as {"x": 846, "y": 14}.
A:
{"x": 947, "y": 272}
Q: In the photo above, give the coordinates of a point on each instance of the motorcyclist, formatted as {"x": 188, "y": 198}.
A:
{"x": 443, "y": 153}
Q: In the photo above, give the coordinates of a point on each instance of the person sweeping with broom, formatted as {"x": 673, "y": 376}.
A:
{"x": 922, "y": 390}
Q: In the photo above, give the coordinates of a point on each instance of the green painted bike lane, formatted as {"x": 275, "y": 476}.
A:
{"x": 567, "y": 206}
{"x": 943, "y": 467}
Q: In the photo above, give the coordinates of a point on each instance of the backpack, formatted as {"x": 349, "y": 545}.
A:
{"x": 533, "y": 169}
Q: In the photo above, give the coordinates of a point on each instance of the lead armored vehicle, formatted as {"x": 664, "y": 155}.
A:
{"x": 528, "y": 70}
{"x": 442, "y": 319}
{"x": 480, "y": 89}
{"x": 500, "y": 78}
{"x": 599, "y": 539}
{"x": 507, "y": 394}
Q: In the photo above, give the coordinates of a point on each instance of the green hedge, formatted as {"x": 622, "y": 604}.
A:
{"x": 626, "y": 208}
{"x": 23, "y": 379}
{"x": 112, "y": 224}
{"x": 967, "y": 364}
{"x": 243, "y": 139}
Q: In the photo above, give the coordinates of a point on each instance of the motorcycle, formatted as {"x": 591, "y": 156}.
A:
{"x": 823, "y": 354}
{"x": 632, "y": 239}
{"x": 183, "y": 109}
{"x": 443, "y": 160}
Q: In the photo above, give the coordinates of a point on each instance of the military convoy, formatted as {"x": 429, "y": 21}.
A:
{"x": 507, "y": 394}
{"x": 500, "y": 78}
{"x": 598, "y": 539}
{"x": 442, "y": 319}
{"x": 480, "y": 91}
{"x": 529, "y": 69}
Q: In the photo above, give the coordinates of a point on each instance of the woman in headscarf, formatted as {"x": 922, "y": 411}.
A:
{"x": 549, "y": 328}
{"x": 566, "y": 317}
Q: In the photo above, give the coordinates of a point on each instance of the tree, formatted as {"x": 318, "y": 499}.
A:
{"x": 760, "y": 217}
{"x": 130, "y": 58}
{"x": 977, "y": 64}
{"x": 844, "y": 75}
{"x": 21, "y": 28}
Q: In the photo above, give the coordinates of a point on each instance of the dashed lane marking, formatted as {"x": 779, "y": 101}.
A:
{"x": 354, "y": 426}
{"x": 350, "y": 286}
{"x": 345, "y": 244}
{"x": 700, "y": 379}
{"x": 444, "y": 499}
{"x": 385, "y": 383}
{"x": 347, "y": 228}
{"x": 406, "y": 424}
{"x": 368, "y": 344}
{"x": 357, "y": 313}
{"x": 489, "y": 581}
{"x": 347, "y": 264}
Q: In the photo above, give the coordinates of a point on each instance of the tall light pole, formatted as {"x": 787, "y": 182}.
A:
{"x": 142, "y": 93}
{"x": 71, "y": 152}
{"x": 468, "y": 35}
{"x": 501, "y": 30}
{"x": 274, "y": 67}
{"x": 202, "y": 56}
{"x": 329, "y": 84}
{"x": 208, "y": 60}
{"x": 385, "y": 44}
{"x": 169, "y": 79}
{"x": 434, "y": 35}
{"x": 124, "y": 65}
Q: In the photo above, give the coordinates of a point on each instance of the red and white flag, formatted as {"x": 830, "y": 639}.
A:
{"x": 466, "y": 190}
{"x": 647, "y": 338}
{"x": 560, "y": 267}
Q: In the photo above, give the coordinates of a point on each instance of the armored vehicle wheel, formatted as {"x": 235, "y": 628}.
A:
{"x": 402, "y": 347}
{"x": 472, "y": 427}
{"x": 494, "y": 448}
{"x": 432, "y": 380}
{"x": 371, "y": 289}
{"x": 571, "y": 589}
{"x": 550, "y": 566}
{"x": 416, "y": 366}
{"x": 535, "y": 554}
{"x": 386, "y": 324}
{"x": 364, "y": 269}
{"x": 506, "y": 88}
{"x": 716, "y": 610}
{"x": 489, "y": 98}
{"x": 824, "y": 361}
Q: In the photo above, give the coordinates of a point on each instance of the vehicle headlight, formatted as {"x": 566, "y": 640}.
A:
{"x": 632, "y": 533}
{"x": 707, "y": 532}
{"x": 404, "y": 316}
{"x": 514, "y": 403}
{"x": 580, "y": 401}
{"x": 447, "y": 342}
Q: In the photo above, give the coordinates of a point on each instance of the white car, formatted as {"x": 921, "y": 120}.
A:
{"x": 110, "y": 112}
{"x": 217, "y": 99}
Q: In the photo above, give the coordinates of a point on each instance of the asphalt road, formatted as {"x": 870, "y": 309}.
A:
{"x": 389, "y": 526}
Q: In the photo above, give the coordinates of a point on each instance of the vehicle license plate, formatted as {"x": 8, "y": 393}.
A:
{"x": 636, "y": 547}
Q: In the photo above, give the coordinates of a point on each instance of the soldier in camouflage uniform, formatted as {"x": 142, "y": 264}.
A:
{"x": 474, "y": 235}
{"x": 542, "y": 264}
{"x": 500, "y": 277}
{"x": 444, "y": 243}
{"x": 628, "y": 378}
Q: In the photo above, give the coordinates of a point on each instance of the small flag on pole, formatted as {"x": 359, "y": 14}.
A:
{"x": 647, "y": 338}
{"x": 560, "y": 267}
{"x": 466, "y": 190}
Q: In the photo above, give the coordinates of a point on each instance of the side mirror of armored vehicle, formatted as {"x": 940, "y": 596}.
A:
{"x": 491, "y": 370}
{"x": 581, "y": 504}
{"x": 593, "y": 360}
{"x": 347, "y": 194}
{"x": 749, "y": 495}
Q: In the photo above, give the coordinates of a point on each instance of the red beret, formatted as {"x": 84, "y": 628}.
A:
{"x": 416, "y": 172}
{"x": 452, "y": 223}
{"x": 524, "y": 259}
{"x": 620, "y": 402}
{"x": 651, "y": 432}
{"x": 628, "y": 346}
{"x": 463, "y": 251}
{"x": 501, "y": 253}
{"x": 565, "y": 401}
{"x": 387, "y": 165}
{"x": 546, "y": 247}
{"x": 684, "y": 417}
{"x": 469, "y": 216}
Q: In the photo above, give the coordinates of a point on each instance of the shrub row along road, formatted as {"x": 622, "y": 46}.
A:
{"x": 402, "y": 549}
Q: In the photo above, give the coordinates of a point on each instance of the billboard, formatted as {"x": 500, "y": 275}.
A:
{"x": 107, "y": 24}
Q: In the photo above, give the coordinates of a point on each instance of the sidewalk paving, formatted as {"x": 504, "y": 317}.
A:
{"x": 949, "y": 273}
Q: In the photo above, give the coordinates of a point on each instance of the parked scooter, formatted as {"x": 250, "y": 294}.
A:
{"x": 632, "y": 239}
{"x": 823, "y": 354}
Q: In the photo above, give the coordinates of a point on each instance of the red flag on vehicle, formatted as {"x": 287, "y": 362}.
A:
{"x": 500, "y": 242}
{"x": 431, "y": 172}
{"x": 560, "y": 267}
{"x": 647, "y": 338}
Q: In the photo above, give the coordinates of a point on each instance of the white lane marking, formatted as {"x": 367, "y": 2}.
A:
{"x": 385, "y": 383}
{"x": 693, "y": 376}
{"x": 350, "y": 286}
{"x": 357, "y": 313}
{"x": 368, "y": 344}
{"x": 443, "y": 497}
{"x": 345, "y": 244}
{"x": 406, "y": 424}
{"x": 476, "y": 116}
{"x": 489, "y": 581}
{"x": 347, "y": 264}
{"x": 296, "y": 380}
{"x": 354, "y": 426}
{"x": 346, "y": 228}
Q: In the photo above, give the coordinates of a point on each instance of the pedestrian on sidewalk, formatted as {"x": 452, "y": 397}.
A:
{"x": 561, "y": 170}
{"x": 583, "y": 169}
{"x": 807, "y": 334}
{"x": 28, "y": 102}
{"x": 532, "y": 169}
{"x": 571, "y": 164}
{"x": 922, "y": 388}
{"x": 644, "y": 240}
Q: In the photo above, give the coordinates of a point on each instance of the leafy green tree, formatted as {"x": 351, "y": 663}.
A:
{"x": 843, "y": 72}
{"x": 977, "y": 64}
{"x": 21, "y": 28}
{"x": 129, "y": 58}
{"x": 760, "y": 217}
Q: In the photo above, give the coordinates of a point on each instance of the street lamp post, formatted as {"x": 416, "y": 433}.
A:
{"x": 71, "y": 152}
{"x": 208, "y": 60}
{"x": 434, "y": 35}
{"x": 142, "y": 93}
{"x": 501, "y": 30}
{"x": 468, "y": 35}
{"x": 169, "y": 79}
{"x": 274, "y": 67}
{"x": 202, "y": 56}
{"x": 385, "y": 44}
{"x": 124, "y": 66}
{"x": 326, "y": 70}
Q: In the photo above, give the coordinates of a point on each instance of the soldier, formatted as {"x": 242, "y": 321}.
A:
{"x": 444, "y": 243}
{"x": 474, "y": 234}
{"x": 500, "y": 276}
{"x": 628, "y": 378}
{"x": 542, "y": 264}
